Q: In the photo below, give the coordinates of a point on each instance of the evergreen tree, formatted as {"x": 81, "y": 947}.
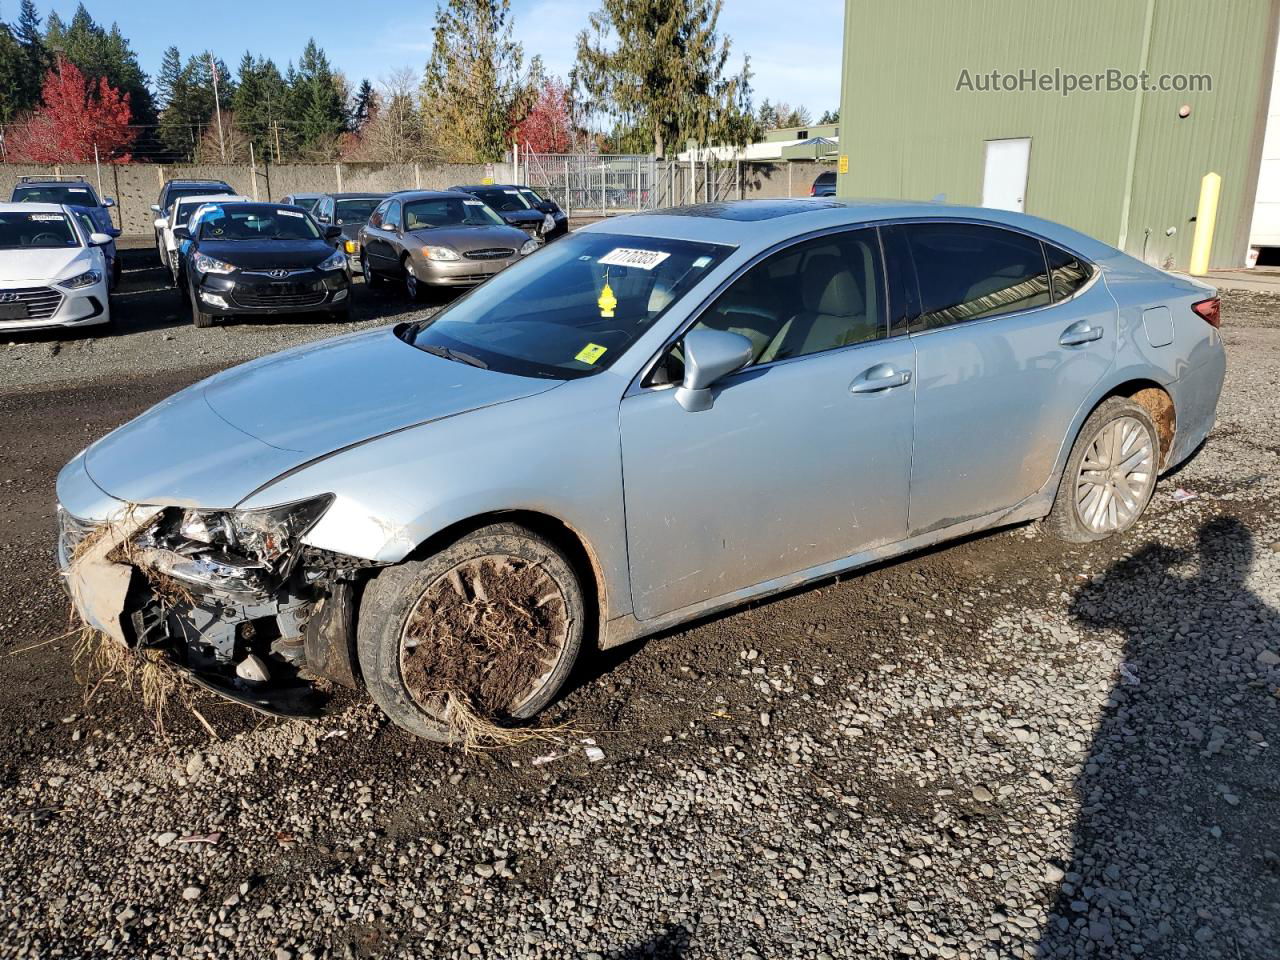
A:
{"x": 36, "y": 58}
{"x": 657, "y": 68}
{"x": 830, "y": 116}
{"x": 191, "y": 107}
{"x": 167, "y": 79}
{"x": 364, "y": 103}
{"x": 11, "y": 75}
{"x": 259, "y": 102}
{"x": 316, "y": 98}
{"x": 475, "y": 89}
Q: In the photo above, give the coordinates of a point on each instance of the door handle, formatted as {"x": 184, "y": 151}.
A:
{"x": 882, "y": 376}
{"x": 1079, "y": 333}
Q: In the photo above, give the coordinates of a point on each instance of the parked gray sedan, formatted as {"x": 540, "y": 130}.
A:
{"x": 658, "y": 417}
{"x": 432, "y": 238}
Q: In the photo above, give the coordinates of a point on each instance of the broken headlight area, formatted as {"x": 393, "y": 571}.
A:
{"x": 238, "y": 600}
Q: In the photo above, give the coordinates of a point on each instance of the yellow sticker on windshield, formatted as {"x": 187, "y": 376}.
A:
{"x": 591, "y": 353}
{"x": 607, "y": 300}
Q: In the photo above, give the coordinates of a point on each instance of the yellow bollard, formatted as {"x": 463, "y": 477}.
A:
{"x": 1206, "y": 218}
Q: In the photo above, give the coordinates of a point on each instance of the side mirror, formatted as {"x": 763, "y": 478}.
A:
{"x": 113, "y": 231}
{"x": 709, "y": 355}
{"x": 332, "y": 233}
{"x": 155, "y": 208}
{"x": 160, "y": 223}
{"x": 182, "y": 233}
{"x": 100, "y": 239}
{"x": 108, "y": 201}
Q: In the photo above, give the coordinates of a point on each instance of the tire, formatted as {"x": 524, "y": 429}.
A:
{"x": 413, "y": 287}
{"x": 371, "y": 278}
{"x": 343, "y": 315}
{"x": 503, "y": 560}
{"x": 199, "y": 318}
{"x": 1097, "y": 499}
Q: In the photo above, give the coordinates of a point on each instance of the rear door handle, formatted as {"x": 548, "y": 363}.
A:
{"x": 883, "y": 376}
{"x": 1078, "y": 333}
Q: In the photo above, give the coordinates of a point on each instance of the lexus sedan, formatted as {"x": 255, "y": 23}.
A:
{"x": 244, "y": 259}
{"x": 433, "y": 238}
{"x": 658, "y": 417}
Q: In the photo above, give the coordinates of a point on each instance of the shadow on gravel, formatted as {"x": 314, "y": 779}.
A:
{"x": 670, "y": 944}
{"x": 1175, "y": 850}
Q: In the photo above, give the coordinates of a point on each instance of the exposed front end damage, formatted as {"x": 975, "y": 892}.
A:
{"x": 233, "y": 597}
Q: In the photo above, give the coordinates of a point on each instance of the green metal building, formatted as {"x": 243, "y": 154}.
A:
{"x": 922, "y": 115}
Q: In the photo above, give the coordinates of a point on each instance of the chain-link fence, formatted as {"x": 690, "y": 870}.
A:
{"x": 584, "y": 183}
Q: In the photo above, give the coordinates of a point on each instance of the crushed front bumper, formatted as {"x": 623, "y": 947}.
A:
{"x": 263, "y": 651}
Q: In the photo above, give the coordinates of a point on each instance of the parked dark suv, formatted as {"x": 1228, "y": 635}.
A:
{"x": 79, "y": 195}
{"x": 523, "y": 207}
{"x": 350, "y": 211}
{"x": 173, "y": 189}
{"x": 824, "y": 185}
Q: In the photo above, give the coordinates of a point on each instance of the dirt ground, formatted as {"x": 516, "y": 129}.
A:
{"x": 287, "y": 797}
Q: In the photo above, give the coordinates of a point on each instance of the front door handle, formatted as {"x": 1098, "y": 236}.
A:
{"x": 1078, "y": 333}
{"x": 883, "y": 376}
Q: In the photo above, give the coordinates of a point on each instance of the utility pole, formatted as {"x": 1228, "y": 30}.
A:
{"x": 217, "y": 106}
{"x": 275, "y": 125}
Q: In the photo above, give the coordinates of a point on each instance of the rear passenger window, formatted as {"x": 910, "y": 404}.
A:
{"x": 1067, "y": 272}
{"x": 969, "y": 271}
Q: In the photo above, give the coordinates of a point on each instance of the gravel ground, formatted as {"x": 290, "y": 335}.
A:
{"x": 1001, "y": 748}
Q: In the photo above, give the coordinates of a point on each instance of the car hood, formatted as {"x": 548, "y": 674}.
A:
{"x": 268, "y": 254}
{"x": 218, "y": 441}
{"x": 522, "y": 216}
{"x": 463, "y": 238}
{"x": 47, "y": 264}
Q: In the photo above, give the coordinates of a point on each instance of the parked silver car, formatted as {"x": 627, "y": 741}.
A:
{"x": 658, "y": 417}
{"x": 435, "y": 238}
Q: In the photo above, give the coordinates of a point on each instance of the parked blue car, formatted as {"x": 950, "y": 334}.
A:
{"x": 657, "y": 417}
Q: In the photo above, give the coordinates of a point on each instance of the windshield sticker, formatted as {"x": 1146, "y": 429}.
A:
{"x": 607, "y": 300}
{"x": 474, "y": 203}
{"x": 627, "y": 257}
{"x": 289, "y": 213}
{"x": 45, "y": 217}
{"x": 700, "y": 263}
{"x": 591, "y": 353}
{"x": 514, "y": 193}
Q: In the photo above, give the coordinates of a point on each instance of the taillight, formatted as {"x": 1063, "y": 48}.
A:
{"x": 813, "y": 190}
{"x": 1210, "y": 311}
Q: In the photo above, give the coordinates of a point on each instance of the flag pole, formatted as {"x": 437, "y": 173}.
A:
{"x": 217, "y": 106}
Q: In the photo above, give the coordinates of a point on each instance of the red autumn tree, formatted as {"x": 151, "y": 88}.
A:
{"x": 547, "y": 129}
{"x": 73, "y": 117}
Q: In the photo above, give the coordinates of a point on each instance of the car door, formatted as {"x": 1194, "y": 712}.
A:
{"x": 379, "y": 235}
{"x": 804, "y": 456}
{"x": 1004, "y": 360}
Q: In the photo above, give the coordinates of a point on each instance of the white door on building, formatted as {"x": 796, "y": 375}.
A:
{"x": 1004, "y": 179}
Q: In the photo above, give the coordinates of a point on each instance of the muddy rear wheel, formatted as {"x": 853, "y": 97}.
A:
{"x": 487, "y": 628}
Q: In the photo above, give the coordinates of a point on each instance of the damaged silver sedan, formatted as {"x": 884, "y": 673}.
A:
{"x": 655, "y": 418}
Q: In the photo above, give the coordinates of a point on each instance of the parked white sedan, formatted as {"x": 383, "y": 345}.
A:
{"x": 179, "y": 215}
{"x": 53, "y": 273}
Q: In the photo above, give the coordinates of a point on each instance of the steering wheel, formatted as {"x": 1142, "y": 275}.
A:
{"x": 47, "y": 238}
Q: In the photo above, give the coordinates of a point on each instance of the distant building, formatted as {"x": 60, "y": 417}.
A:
{"x": 1122, "y": 162}
{"x": 818, "y": 141}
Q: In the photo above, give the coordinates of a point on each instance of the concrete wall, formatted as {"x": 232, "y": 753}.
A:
{"x": 767, "y": 180}
{"x": 136, "y": 186}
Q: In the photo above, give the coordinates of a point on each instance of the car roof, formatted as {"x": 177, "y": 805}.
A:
{"x": 427, "y": 194}
{"x": 493, "y": 186}
{"x": 9, "y": 207}
{"x": 758, "y": 224}
{"x": 210, "y": 197}
{"x": 304, "y": 194}
{"x": 371, "y": 195}
{"x": 194, "y": 183}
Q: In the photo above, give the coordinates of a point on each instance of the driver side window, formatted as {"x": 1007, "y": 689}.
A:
{"x": 817, "y": 295}
{"x": 391, "y": 218}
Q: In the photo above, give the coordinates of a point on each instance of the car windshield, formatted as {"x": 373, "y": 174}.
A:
{"x": 355, "y": 211}
{"x": 503, "y": 199}
{"x": 185, "y": 210}
{"x": 448, "y": 212}
{"x": 306, "y": 203}
{"x": 572, "y": 309}
{"x": 531, "y": 196}
{"x": 254, "y": 221}
{"x": 24, "y": 231}
{"x": 204, "y": 189}
{"x": 79, "y": 194}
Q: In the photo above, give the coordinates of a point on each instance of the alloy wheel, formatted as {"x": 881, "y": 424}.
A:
{"x": 410, "y": 282}
{"x": 1116, "y": 476}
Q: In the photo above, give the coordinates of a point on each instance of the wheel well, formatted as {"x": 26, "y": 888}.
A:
{"x": 575, "y": 548}
{"x": 1159, "y": 405}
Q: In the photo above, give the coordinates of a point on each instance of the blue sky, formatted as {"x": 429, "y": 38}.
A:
{"x": 795, "y": 59}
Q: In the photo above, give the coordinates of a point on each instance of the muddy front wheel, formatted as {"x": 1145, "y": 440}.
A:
{"x": 479, "y": 635}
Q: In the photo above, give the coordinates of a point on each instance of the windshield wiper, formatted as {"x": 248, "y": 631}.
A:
{"x": 455, "y": 355}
